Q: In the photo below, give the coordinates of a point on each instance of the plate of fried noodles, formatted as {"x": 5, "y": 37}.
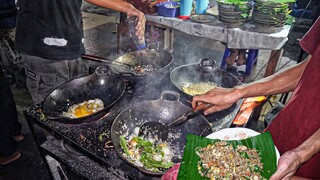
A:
{"x": 251, "y": 157}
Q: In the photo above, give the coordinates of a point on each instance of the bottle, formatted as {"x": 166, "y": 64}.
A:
{"x": 139, "y": 43}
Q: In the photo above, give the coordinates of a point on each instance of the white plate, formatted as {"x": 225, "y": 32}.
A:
{"x": 237, "y": 134}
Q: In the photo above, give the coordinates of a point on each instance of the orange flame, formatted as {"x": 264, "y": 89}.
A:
{"x": 246, "y": 109}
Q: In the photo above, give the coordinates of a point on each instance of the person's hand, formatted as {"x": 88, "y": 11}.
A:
{"x": 288, "y": 164}
{"x": 220, "y": 98}
{"x": 140, "y": 27}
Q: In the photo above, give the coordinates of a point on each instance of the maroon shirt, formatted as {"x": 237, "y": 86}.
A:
{"x": 300, "y": 118}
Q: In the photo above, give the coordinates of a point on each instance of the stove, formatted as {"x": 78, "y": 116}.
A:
{"x": 92, "y": 141}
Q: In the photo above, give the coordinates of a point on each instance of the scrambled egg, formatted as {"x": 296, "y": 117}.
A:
{"x": 84, "y": 109}
{"x": 198, "y": 88}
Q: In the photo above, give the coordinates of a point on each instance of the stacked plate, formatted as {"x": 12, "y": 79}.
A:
{"x": 233, "y": 12}
{"x": 270, "y": 13}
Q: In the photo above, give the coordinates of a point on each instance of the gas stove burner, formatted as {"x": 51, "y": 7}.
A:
{"x": 66, "y": 147}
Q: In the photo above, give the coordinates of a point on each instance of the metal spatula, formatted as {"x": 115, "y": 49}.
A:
{"x": 190, "y": 114}
{"x": 115, "y": 66}
{"x": 160, "y": 130}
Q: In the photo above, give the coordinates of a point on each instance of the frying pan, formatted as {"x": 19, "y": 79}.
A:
{"x": 207, "y": 71}
{"x": 102, "y": 85}
{"x": 164, "y": 110}
{"x": 125, "y": 65}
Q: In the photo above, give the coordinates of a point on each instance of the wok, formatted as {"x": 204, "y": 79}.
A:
{"x": 164, "y": 110}
{"x": 125, "y": 65}
{"x": 206, "y": 71}
{"x": 102, "y": 85}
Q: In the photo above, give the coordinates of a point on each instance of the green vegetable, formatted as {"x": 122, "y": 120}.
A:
{"x": 148, "y": 161}
{"x": 148, "y": 150}
{"x": 234, "y": 2}
{"x": 123, "y": 144}
{"x": 257, "y": 169}
{"x": 244, "y": 15}
{"x": 142, "y": 142}
{"x": 290, "y": 20}
{"x": 103, "y": 135}
{"x": 244, "y": 154}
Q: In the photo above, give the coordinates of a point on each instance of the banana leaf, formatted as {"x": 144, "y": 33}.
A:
{"x": 263, "y": 143}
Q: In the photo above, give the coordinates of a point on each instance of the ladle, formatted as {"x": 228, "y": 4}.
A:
{"x": 160, "y": 130}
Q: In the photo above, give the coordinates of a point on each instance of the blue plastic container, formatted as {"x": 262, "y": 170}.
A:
{"x": 185, "y": 8}
{"x": 168, "y": 9}
{"x": 201, "y": 6}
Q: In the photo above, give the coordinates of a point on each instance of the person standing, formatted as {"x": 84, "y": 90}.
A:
{"x": 10, "y": 128}
{"x": 49, "y": 36}
{"x": 296, "y": 127}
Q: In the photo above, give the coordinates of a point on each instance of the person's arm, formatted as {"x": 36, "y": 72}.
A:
{"x": 284, "y": 81}
{"x": 290, "y": 161}
{"x": 124, "y": 7}
{"x": 222, "y": 98}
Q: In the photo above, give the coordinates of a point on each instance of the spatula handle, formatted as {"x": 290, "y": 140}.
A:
{"x": 202, "y": 106}
{"x": 199, "y": 109}
{"x": 191, "y": 113}
{"x": 95, "y": 58}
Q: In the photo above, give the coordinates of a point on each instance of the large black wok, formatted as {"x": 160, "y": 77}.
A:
{"x": 126, "y": 64}
{"x": 102, "y": 85}
{"x": 207, "y": 71}
{"x": 163, "y": 110}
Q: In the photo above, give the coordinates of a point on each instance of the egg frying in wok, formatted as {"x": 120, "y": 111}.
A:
{"x": 84, "y": 109}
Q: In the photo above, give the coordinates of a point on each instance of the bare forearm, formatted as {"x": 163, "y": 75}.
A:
{"x": 117, "y": 5}
{"x": 290, "y": 161}
{"x": 281, "y": 82}
{"x": 299, "y": 178}
{"x": 309, "y": 148}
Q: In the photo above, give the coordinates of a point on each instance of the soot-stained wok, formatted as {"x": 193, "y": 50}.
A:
{"x": 136, "y": 65}
{"x": 207, "y": 71}
{"x": 103, "y": 85}
{"x": 164, "y": 110}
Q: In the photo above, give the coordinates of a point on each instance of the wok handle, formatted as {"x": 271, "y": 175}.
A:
{"x": 127, "y": 74}
{"x": 153, "y": 46}
{"x": 199, "y": 109}
{"x": 206, "y": 62}
{"x": 168, "y": 92}
{"x": 102, "y": 70}
{"x": 95, "y": 58}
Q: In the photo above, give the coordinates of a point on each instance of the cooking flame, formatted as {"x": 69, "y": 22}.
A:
{"x": 246, "y": 109}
